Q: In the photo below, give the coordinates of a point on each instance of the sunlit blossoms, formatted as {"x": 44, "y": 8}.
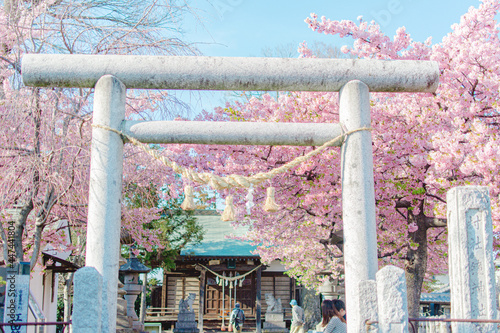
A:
{"x": 423, "y": 145}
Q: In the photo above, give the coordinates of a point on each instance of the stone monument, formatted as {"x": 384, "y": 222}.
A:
{"x": 471, "y": 266}
{"x": 186, "y": 322}
{"x": 87, "y": 301}
{"x": 368, "y": 307}
{"x": 383, "y": 303}
{"x": 392, "y": 300}
{"x": 274, "y": 316}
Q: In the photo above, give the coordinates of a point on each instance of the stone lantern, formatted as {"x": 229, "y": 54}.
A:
{"x": 332, "y": 289}
{"x": 131, "y": 271}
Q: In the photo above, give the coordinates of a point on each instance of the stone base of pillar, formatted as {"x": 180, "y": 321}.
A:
{"x": 186, "y": 323}
{"x": 274, "y": 323}
{"x": 137, "y": 325}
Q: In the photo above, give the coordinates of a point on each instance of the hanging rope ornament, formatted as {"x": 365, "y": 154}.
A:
{"x": 270, "y": 204}
{"x": 188, "y": 203}
{"x": 228, "y": 214}
{"x": 249, "y": 198}
{"x": 241, "y": 282}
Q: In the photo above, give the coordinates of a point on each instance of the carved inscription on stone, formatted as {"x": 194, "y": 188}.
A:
{"x": 476, "y": 256}
{"x": 471, "y": 267}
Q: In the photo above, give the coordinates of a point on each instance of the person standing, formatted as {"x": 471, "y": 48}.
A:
{"x": 333, "y": 321}
{"x": 340, "y": 306}
{"x": 298, "y": 319}
{"x": 237, "y": 318}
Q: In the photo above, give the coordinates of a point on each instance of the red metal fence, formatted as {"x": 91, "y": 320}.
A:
{"x": 414, "y": 328}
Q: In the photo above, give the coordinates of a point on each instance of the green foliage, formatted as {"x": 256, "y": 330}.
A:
{"x": 177, "y": 227}
{"x": 60, "y": 312}
{"x": 418, "y": 191}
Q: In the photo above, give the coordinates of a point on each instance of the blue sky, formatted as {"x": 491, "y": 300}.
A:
{"x": 243, "y": 28}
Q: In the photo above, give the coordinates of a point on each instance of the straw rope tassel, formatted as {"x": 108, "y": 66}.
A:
{"x": 228, "y": 214}
{"x": 188, "y": 203}
{"x": 249, "y": 199}
{"x": 270, "y": 204}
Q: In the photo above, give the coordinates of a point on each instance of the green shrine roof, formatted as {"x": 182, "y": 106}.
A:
{"x": 435, "y": 298}
{"x": 215, "y": 242}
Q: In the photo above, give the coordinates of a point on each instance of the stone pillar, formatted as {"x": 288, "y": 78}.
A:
{"x": 368, "y": 308}
{"x": 471, "y": 266}
{"x": 105, "y": 188}
{"x": 87, "y": 302}
{"x": 392, "y": 300}
{"x": 358, "y": 198}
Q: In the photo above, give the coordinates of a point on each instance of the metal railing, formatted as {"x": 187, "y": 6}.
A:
{"x": 34, "y": 307}
{"x": 414, "y": 329}
{"x": 152, "y": 313}
{"x": 450, "y": 320}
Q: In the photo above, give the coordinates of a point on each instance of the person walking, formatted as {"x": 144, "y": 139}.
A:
{"x": 237, "y": 318}
{"x": 298, "y": 319}
{"x": 333, "y": 321}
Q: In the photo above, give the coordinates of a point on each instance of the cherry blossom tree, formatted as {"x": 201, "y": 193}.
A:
{"x": 423, "y": 145}
{"x": 45, "y": 137}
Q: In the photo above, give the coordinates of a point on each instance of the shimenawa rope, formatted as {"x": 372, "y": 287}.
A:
{"x": 217, "y": 182}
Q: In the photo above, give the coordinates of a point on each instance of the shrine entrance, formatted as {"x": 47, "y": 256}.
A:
{"x": 220, "y": 299}
{"x": 112, "y": 75}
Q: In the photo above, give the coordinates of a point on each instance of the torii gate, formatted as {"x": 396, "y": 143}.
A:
{"x": 111, "y": 75}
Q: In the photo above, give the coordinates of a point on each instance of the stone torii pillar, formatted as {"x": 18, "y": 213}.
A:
{"x": 358, "y": 197}
{"x": 111, "y": 75}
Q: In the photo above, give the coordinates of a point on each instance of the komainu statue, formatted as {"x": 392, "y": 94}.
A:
{"x": 273, "y": 304}
{"x": 186, "y": 305}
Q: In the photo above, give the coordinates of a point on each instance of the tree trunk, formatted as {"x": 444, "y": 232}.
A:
{"x": 416, "y": 265}
{"x": 19, "y": 225}
{"x": 312, "y": 308}
{"x": 41, "y": 220}
{"x": 10, "y": 9}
